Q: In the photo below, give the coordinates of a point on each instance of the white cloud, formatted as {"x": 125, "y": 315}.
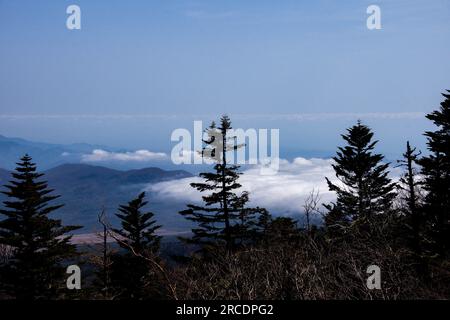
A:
{"x": 137, "y": 156}
{"x": 283, "y": 193}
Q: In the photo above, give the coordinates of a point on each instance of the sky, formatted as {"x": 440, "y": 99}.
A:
{"x": 137, "y": 70}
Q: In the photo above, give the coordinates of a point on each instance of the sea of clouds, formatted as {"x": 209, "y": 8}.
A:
{"x": 283, "y": 193}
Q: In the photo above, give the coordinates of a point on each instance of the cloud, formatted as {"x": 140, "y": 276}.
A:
{"x": 283, "y": 193}
{"x": 98, "y": 155}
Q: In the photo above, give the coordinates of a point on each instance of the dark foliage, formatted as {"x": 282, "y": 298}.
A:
{"x": 248, "y": 254}
{"x": 131, "y": 274}
{"x": 39, "y": 244}
{"x": 436, "y": 172}
{"x": 366, "y": 189}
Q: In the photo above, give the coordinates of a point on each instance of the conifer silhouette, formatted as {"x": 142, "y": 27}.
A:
{"x": 40, "y": 244}
{"x": 365, "y": 190}
{"x": 436, "y": 172}
{"x": 224, "y": 218}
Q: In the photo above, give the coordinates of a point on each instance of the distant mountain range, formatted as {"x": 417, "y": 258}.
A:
{"x": 47, "y": 155}
{"x": 86, "y": 189}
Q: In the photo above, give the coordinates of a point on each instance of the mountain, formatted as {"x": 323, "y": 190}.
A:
{"x": 85, "y": 190}
{"x": 47, "y": 155}
{"x": 82, "y": 173}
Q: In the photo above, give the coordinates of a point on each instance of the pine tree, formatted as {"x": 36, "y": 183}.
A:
{"x": 366, "y": 189}
{"x": 39, "y": 243}
{"x": 436, "y": 172}
{"x": 131, "y": 273}
{"x": 138, "y": 228}
{"x": 224, "y": 218}
{"x": 409, "y": 185}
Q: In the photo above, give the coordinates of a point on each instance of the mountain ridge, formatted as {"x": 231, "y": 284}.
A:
{"x": 47, "y": 155}
{"x": 86, "y": 189}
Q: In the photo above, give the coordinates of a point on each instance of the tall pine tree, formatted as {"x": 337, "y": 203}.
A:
{"x": 224, "y": 217}
{"x": 410, "y": 194}
{"x": 436, "y": 172}
{"x": 132, "y": 274}
{"x": 39, "y": 243}
{"x": 365, "y": 190}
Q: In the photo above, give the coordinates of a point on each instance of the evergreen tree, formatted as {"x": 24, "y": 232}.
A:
{"x": 39, "y": 243}
{"x": 138, "y": 228}
{"x": 409, "y": 186}
{"x": 366, "y": 190}
{"x": 436, "y": 172}
{"x": 224, "y": 218}
{"x": 131, "y": 273}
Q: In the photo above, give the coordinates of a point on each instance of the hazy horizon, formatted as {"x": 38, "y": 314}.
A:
{"x": 137, "y": 71}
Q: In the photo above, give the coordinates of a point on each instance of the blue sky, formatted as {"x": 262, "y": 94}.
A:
{"x": 259, "y": 61}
